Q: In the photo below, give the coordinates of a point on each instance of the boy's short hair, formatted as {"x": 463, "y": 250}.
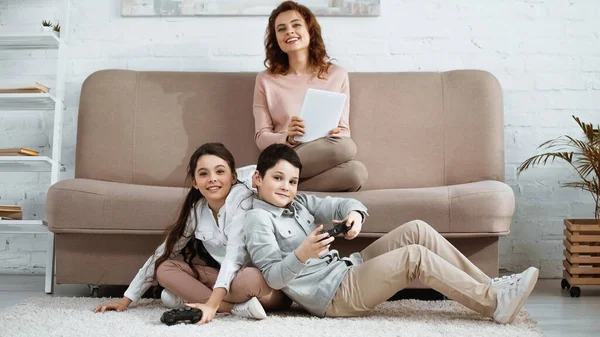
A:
{"x": 270, "y": 156}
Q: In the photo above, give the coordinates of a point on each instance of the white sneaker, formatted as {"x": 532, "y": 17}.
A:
{"x": 503, "y": 280}
{"x": 171, "y": 300}
{"x": 249, "y": 309}
{"x": 512, "y": 294}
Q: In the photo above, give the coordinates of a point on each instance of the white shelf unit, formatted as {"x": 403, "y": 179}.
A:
{"x": 44, "y": 101}
{"x": 41, "y": 40}
{"x": 16, "y": 102}
{"x": 24, "y": 226}
{"x": 26, "y": 164}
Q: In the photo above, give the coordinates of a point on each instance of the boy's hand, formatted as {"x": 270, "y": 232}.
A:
{"x": 312, "y": 247}
{"x": 354, "y": 220}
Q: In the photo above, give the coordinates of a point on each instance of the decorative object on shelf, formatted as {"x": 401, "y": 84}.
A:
{"x": 18, "y": 151}
{"x": 582, "y": 236}
{"x": 36, "y": 88}
{"x": 57, "y": 29}
{"x": 46, "y": 26}
{"x": 244, "y": 7}
{"x": 10, "y": 212}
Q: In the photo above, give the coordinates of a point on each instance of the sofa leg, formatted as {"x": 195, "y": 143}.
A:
{"x": 49, "y": 287}
{"x": 94, "y": 289}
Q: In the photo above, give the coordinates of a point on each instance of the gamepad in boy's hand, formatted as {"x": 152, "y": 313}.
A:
{"x": 314, "y": 246}
{"x": 339, "y": 228}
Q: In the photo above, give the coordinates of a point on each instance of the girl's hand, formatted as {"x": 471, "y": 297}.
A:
{"x": 208, "y": 312}
{"x": 312, "y": 246}
{"x": 354, "y": 220}
{"x": 118, "y": 306}
{"x": 335, "y": 131}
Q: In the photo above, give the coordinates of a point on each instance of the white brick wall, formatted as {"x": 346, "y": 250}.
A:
{"x": 546, "y": 55}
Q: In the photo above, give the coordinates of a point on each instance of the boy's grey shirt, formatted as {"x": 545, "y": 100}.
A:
{"x": 272, "y": 234}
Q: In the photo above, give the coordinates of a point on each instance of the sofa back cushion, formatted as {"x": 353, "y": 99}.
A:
{"x": 428, "y": 129}
{"x": 411, "y": 129}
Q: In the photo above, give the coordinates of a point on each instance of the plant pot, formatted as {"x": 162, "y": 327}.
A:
{"x": 46, "y": 29}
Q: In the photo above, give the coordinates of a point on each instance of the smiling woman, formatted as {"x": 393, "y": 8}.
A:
{"x": 296, "y": 60}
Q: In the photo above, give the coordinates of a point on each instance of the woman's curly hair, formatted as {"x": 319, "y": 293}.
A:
{"x": 277, "y": 61}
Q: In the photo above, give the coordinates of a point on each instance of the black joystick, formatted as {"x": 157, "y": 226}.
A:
{"x": 339, "y": 228}
{"x": 186, "y": 315}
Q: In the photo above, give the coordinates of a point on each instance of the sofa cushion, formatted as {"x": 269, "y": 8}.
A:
{"x": 484, "y": 207}
{"x": 95, "y": 206}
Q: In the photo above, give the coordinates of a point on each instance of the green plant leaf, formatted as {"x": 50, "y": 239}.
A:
{"x": 582, "y": 154}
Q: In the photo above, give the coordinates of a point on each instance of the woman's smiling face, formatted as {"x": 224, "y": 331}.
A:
{"x": 292, "y": 32}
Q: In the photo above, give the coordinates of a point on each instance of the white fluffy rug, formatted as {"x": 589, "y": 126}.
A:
{"x": 63, "y": 316}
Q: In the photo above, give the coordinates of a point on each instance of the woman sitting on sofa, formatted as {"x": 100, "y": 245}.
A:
{"x": 209, "y": 227}
{"x": 297, "y": 60}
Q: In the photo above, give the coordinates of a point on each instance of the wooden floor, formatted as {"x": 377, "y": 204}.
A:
{"x": 557, "y": 313}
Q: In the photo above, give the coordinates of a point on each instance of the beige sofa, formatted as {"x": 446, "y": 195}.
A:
{"x": 432, "y": 143}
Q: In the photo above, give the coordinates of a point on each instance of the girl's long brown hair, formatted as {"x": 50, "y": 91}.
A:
{"x": 176, "y": 231}
{"x": 277, "y": 61}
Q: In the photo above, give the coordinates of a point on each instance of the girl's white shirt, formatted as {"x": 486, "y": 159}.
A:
{"x": 222, "y": 238}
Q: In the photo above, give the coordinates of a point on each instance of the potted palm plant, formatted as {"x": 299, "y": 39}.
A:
{"x": 582, "y": 236}
{"x": 582, "y": 155}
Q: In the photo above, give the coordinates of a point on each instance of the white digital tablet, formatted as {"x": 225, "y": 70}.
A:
{"x": 321, "y": 112}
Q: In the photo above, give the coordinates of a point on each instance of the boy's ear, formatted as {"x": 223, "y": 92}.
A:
{"x": 256, "y": 179}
